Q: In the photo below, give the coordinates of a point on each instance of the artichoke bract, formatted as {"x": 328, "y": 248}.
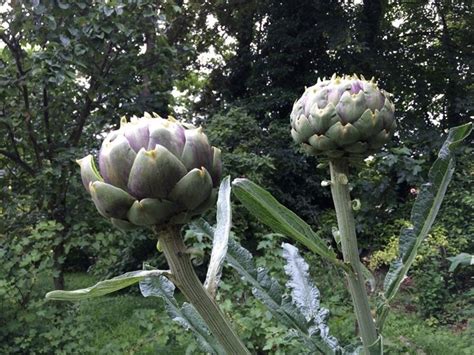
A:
{"x": 343, "y": 117}
{"x": 153, "y": 171}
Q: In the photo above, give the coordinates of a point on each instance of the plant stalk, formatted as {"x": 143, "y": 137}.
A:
{"x": 345, "y": 220}
{"x": 186, "y": 280}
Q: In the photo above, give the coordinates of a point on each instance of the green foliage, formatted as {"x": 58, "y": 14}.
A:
{"x": 82, "y": 67}
{"x": 237, "y": 133}
{"x": 406, "y": 334}
{"x": 26, "y": 257}
{"x": 68, "y": 72}
{"x": 36, "y": 324}
{"x": 186, "y": 315}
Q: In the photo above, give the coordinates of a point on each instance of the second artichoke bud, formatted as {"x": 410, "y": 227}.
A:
{"x": 343, "y": 117}
{"x": 153, "y": 171}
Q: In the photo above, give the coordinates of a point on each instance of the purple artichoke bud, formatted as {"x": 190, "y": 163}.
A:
{"x": 343, "y": 116}
{"x": 153, "y": 171}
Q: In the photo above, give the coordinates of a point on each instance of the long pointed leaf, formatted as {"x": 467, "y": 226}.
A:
{"x": 104, "y": 287}
{"x": 221, "y": 237}
{"x": 280, "y": 219}
{"x": 423, "y": 214}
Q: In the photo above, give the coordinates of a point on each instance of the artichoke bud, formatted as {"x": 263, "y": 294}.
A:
{"x": 344, "y": 116}
{"x": 153, "y": 171}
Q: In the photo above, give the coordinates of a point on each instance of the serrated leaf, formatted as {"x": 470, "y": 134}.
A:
{"x": 104, "y": 287}
{"x": 266, "y": 289}
{"x": 280, "y": 219}
{"x": 304, "y": 294}
{"x": 423, "y": 214}
{"x": 186, "y": 316}
{"x": 220, "y": 237}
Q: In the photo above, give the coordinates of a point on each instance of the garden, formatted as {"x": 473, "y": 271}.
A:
{"x": 236, "y": 177}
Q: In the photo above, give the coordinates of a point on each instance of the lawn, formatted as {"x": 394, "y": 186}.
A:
{"x": 128, "y": 323}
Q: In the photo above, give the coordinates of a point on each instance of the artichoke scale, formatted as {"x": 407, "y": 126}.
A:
{"x": 150, "y": 211}
{"x": 109, "y": 200}
{"x": 154, "y": 173}
{"x": 343, "y": 134}
{"x": 89, "y": 172}
{"x": 193, "y": 189}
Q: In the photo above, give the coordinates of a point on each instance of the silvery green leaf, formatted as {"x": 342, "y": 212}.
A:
{"x": 220, "y": 238}
{"x": 201, "y": 228}
{"x": 314, "y": 333}
{"x": 304, "y": 294}
{"x": 423, "y": 214}
{"x": 104, "y": 287}
{"x": 186, "y": 316}
{"x": 460, "y": 259}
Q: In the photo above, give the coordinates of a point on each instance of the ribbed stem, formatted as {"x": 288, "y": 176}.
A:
{"x": 347, "y": 232}
{"x": 186, "y": 280}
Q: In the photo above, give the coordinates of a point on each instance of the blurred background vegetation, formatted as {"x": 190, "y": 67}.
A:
{"x": 70, "y": 69}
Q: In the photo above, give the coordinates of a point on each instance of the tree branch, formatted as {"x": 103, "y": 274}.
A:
{"x": 88, "y": 104}
{"x": 15, "y": 49}
{"x": 47, "y": 130}
{"x": 15, "y": 158}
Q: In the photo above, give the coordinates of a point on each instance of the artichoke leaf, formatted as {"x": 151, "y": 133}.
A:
{"x": 351, "y": 107}
{"x": 137, "y": 133}
{"x": 369, "y": 124}
{"x": 109, "y": 200}
{"x": 343, "y": 134}
{"x": 193, "y": 189}
{"x": 123, "y": 224}
{"x": 322, "y": 119}
{"x": 321, "y": 142}
{"x": 105, "y": 287}
{"x": 115, "y": 161}
{"x": 168, "y": 134}
{"x": 89, "y": 172}
{"x": 154, "y": 173}
{"x": 303, "y": 128}
{"x": 196, "y": 152}
{"x": 150, "y": 211}
{"x": 216, "y": 171}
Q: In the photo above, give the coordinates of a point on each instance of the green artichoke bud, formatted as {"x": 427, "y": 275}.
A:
{"x": 153, "y": 171}
{"x": 343, "y": 117}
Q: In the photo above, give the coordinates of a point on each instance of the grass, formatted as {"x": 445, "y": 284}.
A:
{"x": 127, "y": 323}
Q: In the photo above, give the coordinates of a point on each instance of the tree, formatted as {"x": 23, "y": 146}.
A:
{"x": 68, "y": 70}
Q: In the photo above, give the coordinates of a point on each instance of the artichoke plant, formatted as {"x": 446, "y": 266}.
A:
{"x": 153, "y": 171}
{"x": 343, "y": 117}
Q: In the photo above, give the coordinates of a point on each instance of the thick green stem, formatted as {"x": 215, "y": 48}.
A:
{"x": 186, "y": 280}
{"x": 345, "y": 221}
